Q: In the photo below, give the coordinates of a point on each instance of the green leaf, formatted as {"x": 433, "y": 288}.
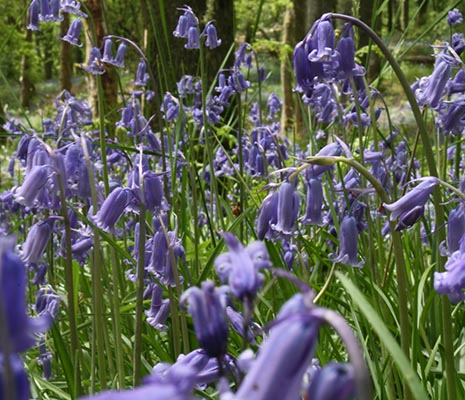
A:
{"x": 408, "y": 374}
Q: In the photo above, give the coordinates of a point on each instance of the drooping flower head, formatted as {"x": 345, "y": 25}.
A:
{"x": 454, "y": 17}
{"x": 348, "y": 250}
{"x": 72, "y": 36}
{"x": 207, "y": 306}
{"x": 240, "y": 265}
{"x": 333, "y": 381}
{"x": 410, "y": 207}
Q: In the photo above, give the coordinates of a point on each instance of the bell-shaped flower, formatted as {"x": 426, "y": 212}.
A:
{"x": 315, "y": 170}
{"x": 20, "y": 329}
{"x": 409, "y": 208}
{"x": 284, "y": 356}
{"x": 324, "y": 38}
{"x": 212, "y": 40}
{"x": 94, "y": 65}
{"x": 452, "y": 280}
{"x": 185, "y": 22}
{"x": 34, "y": 10}
{"x": 431, "y": 89}
{"x": 113, "y": 207}
{"x": 107, "y": 51}
{"x": 240, "y": 266}
{"x": 454, "y": 17}
{"x": 159, "y": 308}
{"x": 35, "y": 180}
{"x": 45, "y": 360}
{"x": 142, "y": 76}
{"x": 267, "y": 215}
{"x": 207, "y": 306}
{"x": 313, "y": 210}
{"x": 36, "y": 242}
{"x": 348, "y": 237}
{"x": 455, "y": 229}
{"x": 333, "y": 381}
{"x": 288, "y": 209}
{"x": 72, "y": 7}
{"x": 118, "y": 61}
{"x": 19, "y": 377}
{"x": 72, "y": 36}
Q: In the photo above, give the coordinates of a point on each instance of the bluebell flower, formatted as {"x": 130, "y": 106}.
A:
{"x": 274, "y": 105}
{"x": 36, "y": 242}
{"x": 313, "y": 210}
{"x": 72, "y": 7}
{"x": 185, "y": 22}
{"x": 458, "y": 43}
{"x": 240, "y": 266}
{"x": 451, "y": 117}
{"x": 94, "y": 65}
{"x": 288, "y": 209}
{"x": 142, "y": 76}
{"x": 324, "y": 38}
{"x": 335, "y": 381}
{"x": 72, "y": 36}
{"x": 267, "y": 215}
{"x": 159, "y": 308}
{"x": 284, "y": 355}
{"x": 348, "y": 237}
{"x": 20, "y": 380}
{"x": 237, "y": 322}
{"x": 107, "y": 51}
{"x": 452, "y": 280}
{"x": 55, "y": 10}
{"x": 212, "y": 40}
{"x": 455, "y": 229}
{"x": 431, "y": 89}
{"x": 34, "y": 10}
{"x": 409, "y": 208}
{"x": 454, "y": 17}
{"x": 118, "y": 61}
{"x": 112, "y": 208}
{"x": 45, "y": 360}
{"x": 45, "y": 13}
{"x": 30, "y": 189}
{"x": 208, "y": 310}
{"x": 20, "y": 328}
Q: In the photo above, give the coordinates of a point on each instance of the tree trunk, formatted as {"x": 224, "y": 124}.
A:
{"x": 66, "y": 62}
{"x": 109, "y": 82}
{"x": 366, "y": 14}
{"x": 287, "y": 114}
{"x": 27, "y": 86}
{"x": 222, "y": 12}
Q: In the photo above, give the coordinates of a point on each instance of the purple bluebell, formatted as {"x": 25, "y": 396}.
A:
{"x": 170, "y": 107}
{"x": 94, "y": 65}
{"x": 185, "y": 22}
{"x": 237, "y": 322}
{"x": 45, "y": 360}
{"x": 159, "y": 308}
{"x": 45, "y": 13}
{"x": 274, "y": 105}
{"x": 47, "y": 303}
{"x": 72, "y": 36}
{"x": 72, "y": 7}
{"x": 335, "y": 381}
{"x": 288, "y": 208}
{"x": 34, "y": 10}
{"x": 267, "y": 215}
{"x": 153, "y": 192}
{"x": 142, "y": 76}
{"x": 55, "y": 10}
{"x": 314, "y": 206}
{"x": 284, "y": 355}
{"x": 107, "y": 51}
{"x": 348, "y": 237}
{"x": 454, "y": 17}
{"x": 20, "y": 380}
{"x": 208, "y": 310}
{"x": 212, "y": 40}
{"x": 30, "y": 189}
{"x": 20, "y": 328}
{"x": 36, "y": 242}
{"x": 455, "y": 229}
{"x": 118, "y": 61}
{"x": 458, "y": 43}
{"x": 451, "y": 117}
{"x": 240, "y": 266}
{"x": 324, "y": 38}
{"x": 431, "y": 89}
{"x": 112, "y": 208}
{"x": 304, "y": 71}
{"x": 409, "y": 208}
{"x": 193, "y": 38}
{"x": 452, "y": 280}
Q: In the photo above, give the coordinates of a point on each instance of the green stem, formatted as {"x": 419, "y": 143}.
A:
{"x": 448, "y": 354}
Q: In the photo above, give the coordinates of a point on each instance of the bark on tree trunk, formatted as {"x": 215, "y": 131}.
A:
{"x": 27, "y": 86}
{"x": 287, "y": 114}
{"x": 66, "y": 62}
{"x": 109, "y": 82}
